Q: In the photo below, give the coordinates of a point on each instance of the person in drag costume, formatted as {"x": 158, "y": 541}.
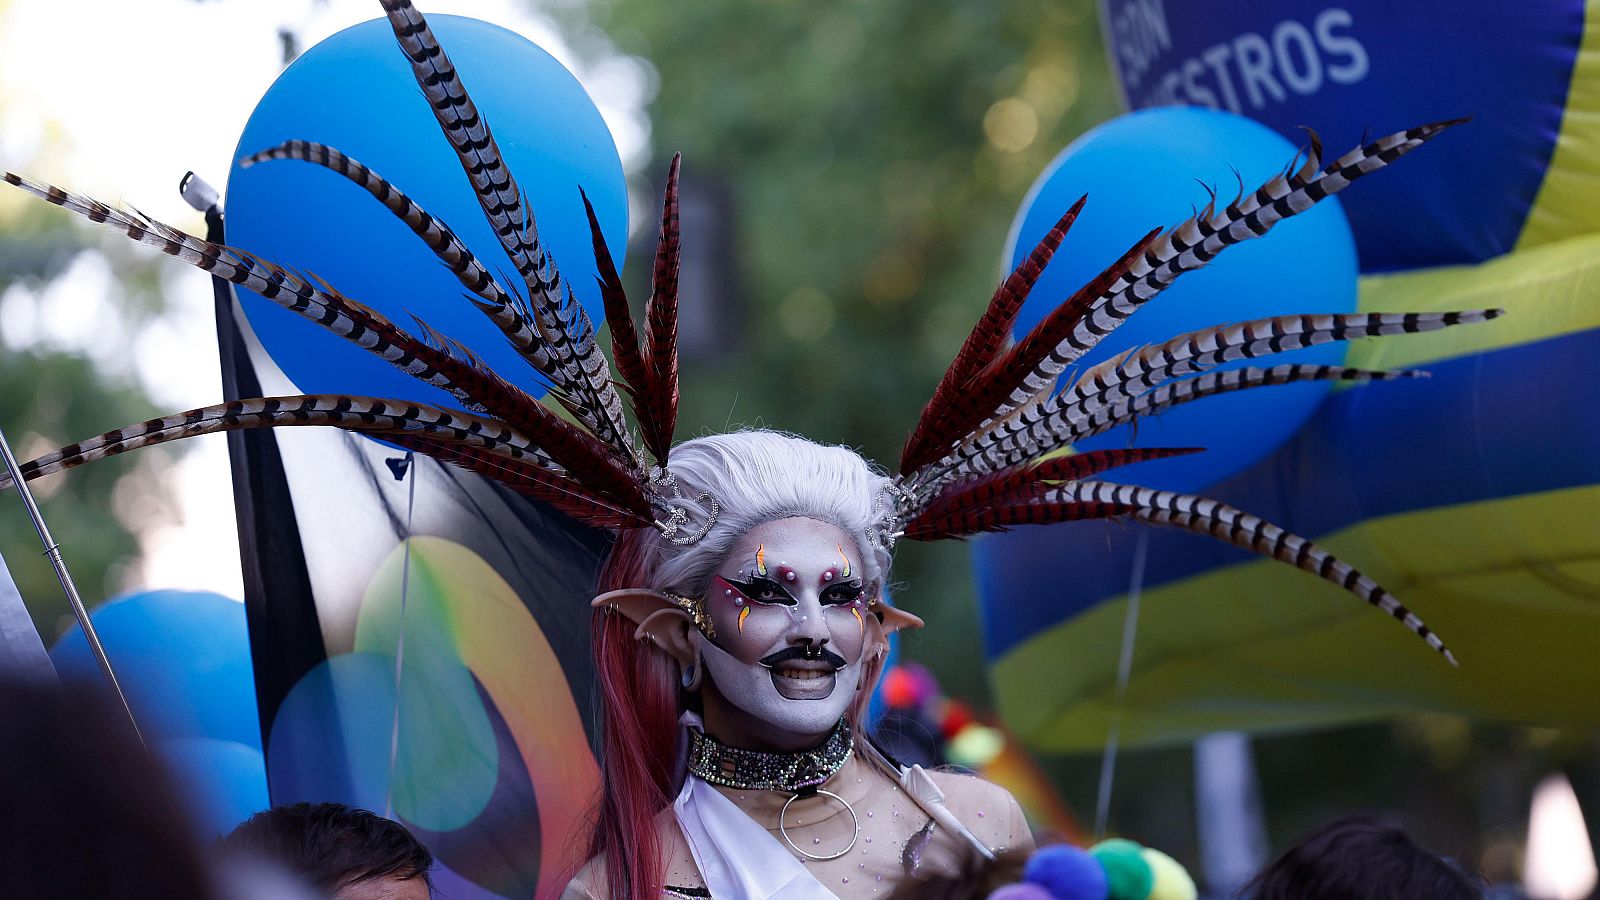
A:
{"x": 740, "y": 623}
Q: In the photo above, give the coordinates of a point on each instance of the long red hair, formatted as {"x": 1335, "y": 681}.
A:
{"x": 639, "y": 717}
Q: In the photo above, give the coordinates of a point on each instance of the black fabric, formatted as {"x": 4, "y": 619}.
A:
{"x": 280, "y": 608}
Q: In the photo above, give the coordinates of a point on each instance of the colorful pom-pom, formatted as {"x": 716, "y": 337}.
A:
{"x": 1172, "y": 881}
{"x": 899, "y": 689}
{"x": 1066, "y": 873}
{"x": 1021, "y": 891}
{"x": 957, "y": 715}
{"x": 975, "y": 746}
{"x": 1127, "y": 874}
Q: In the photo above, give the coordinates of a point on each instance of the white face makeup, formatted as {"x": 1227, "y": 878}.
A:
{"x": 789, "y": 608}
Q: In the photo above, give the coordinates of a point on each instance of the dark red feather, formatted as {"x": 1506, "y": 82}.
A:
{"x": 585, "y": 457}
{"x": 563, "y": 493}
{"x": 962, "y": 524}
{"x": 1028, "y": 480}
{"x": 987, "y": 339}
{"x": 661, "y": 318}
{"x": 624, "y": 339}
{"x": 991, "y": 388}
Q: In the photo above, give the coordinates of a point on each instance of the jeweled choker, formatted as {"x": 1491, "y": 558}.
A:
{"x": 759, "y": 770}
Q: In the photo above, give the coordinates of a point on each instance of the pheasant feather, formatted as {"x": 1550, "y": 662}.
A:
{"x": 563, "y": 325}
{"x": 1062, "y": 421}
{"x": 1197, "y": 351}
{"x": 294, "y": 292}
{"x": 661, "y": 318}
{"x": 491, "y": 298}
{"x": 1029, "y": 480}
{"x": 1195, "y": 242}
{"x": 963, "y": 523}
{"x": 986, "y": 391}
{"x": 981, "y": 347}
{"x": 1248, "y": 532}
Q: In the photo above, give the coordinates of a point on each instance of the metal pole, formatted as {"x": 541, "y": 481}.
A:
{"x": 1130, "y": 627}
{"x": 52, "y": 550}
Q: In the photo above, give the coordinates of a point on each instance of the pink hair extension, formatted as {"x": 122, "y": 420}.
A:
{"x": 639, "y": 709}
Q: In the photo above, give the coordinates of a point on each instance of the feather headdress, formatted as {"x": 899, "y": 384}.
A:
{"x": 984, "y": 456}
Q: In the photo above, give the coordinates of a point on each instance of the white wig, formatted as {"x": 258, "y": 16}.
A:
{"x": 759, "y": 476}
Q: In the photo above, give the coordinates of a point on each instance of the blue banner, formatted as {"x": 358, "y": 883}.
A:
{"x": 1371, "y": 66}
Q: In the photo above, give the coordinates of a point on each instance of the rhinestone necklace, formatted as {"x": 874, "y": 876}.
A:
{"x": 759, "y": 770}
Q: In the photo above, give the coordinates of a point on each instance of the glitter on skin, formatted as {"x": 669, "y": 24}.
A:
{"x": 745, "y": 611}
{"x": 846, "y": 559}
{"x": 761, "y": 559}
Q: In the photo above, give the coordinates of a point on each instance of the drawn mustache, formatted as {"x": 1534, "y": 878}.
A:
{"x": 803, "y": 653}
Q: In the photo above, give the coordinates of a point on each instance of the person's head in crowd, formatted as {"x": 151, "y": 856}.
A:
{"x": 84, "y": 810}
{"x": 350, "y": 854}
{"x": 1361, "y": 858}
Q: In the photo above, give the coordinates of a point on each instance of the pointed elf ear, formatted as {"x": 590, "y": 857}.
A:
{"x": 661, "y": 620}
{"x": 894, "y": 619}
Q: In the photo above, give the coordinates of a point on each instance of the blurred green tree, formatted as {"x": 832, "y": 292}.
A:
{"x": 53, "y": 392}
{"x": 873, "y": 155}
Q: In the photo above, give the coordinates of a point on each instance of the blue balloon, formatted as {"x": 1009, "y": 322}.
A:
{"x": 183, "y": 660}
{"x": 1145, "y": 170}
{"x": 355, "y": 92}
{"x": 225, "y": 782}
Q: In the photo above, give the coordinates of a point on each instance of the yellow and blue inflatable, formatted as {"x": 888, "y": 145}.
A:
{"x": 1474, "y": 494}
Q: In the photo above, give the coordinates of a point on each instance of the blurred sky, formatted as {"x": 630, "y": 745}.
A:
{"x": 118, "y": 99}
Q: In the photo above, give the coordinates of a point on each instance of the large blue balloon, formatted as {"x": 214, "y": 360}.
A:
{"x": 355, "y": 92}
{"x": 1344, "y": 68}
{"x": 1144, "y": 170}
{"x": 223, "y": 781}
{"x": 182, "y": 658}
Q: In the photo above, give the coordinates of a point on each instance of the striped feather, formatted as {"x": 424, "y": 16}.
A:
{"x": 982, "y": 345}
{"x": 1028, "y": 480}
{"x": 563, "y": 325}
{"x": 1197, "y": 241}
{"x": 491, "y": 447}
{"x": 441, "y": 363}
{"x": 1248, "y": 532}
{"x": 363, "y": 414}
{"x": 566, "y": 495}
{"x": 581, "y": 455}
{"x": 1062, "y": 421}
{"x": 298, "y": 294}
{"x": 492, "y": 299}
{"x": 971, "y": 409}
{"x": 1200, "y": 350}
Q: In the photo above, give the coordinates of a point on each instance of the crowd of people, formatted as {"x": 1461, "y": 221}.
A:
{"x": 86, "y": 812}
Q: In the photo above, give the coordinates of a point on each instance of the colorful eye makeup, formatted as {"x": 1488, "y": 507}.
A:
{"x": 769, "y": 584}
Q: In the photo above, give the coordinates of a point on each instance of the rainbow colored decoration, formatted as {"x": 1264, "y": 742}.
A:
{"x": 1474, "y": 494}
